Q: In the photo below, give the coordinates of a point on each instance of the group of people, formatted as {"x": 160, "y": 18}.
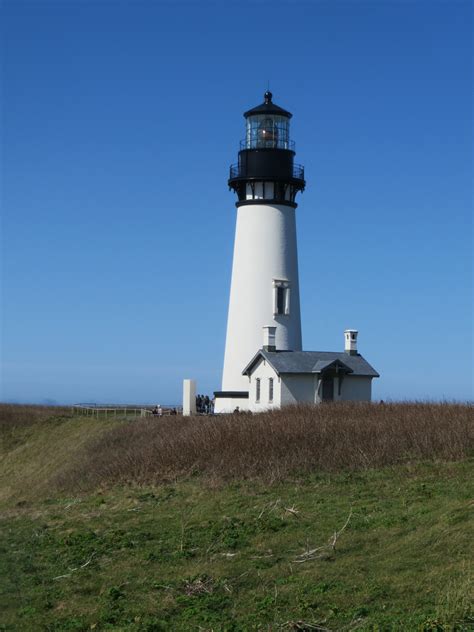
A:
{"x": 159, "y": 411}
{"x": 204, "y": 405}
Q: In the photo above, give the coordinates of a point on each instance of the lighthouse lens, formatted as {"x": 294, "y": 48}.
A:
{"x": 267, "y": 133}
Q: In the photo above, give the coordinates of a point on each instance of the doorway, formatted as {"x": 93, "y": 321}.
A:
{"x": 328, "y": 389}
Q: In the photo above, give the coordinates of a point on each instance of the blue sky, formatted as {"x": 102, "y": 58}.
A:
{"x": 119, "y": 122}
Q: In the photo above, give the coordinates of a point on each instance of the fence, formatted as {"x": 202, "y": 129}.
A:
{"x": 107, "y": 411}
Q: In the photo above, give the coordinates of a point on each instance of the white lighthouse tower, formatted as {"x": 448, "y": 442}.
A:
{"x": 264, "y": 289}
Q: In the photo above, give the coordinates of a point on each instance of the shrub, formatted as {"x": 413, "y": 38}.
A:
{"x": 273, "y": 445}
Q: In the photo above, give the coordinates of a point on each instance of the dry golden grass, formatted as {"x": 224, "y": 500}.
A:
{"x": 273, "y": 445}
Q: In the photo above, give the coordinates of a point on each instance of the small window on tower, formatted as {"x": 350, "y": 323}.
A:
{"x": 280, "y": 300}
{"x": 281, "y": 297}
{"x": 257, "y": 386}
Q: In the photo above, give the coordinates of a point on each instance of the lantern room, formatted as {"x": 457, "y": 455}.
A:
{"x": 268, "y": 126}
{"x": 265, "y": 170}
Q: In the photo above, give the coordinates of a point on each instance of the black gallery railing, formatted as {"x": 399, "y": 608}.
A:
{"x": 275, "y": 143}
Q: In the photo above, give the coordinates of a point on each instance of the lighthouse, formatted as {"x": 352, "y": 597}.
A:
{"x": 264, "y": 294}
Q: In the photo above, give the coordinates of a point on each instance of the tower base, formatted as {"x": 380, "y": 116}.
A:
{"x": 228, "y": 401}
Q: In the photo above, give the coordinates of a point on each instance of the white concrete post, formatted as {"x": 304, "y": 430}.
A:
{"x": 189, "y": 397}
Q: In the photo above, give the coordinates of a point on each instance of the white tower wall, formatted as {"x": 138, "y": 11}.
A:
{"x": 265, "y": 258}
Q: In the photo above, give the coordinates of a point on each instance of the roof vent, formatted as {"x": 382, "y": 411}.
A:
{"x": 350, "y": 341}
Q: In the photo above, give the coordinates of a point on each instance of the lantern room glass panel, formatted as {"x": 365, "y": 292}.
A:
{"x": 268, "y": 131}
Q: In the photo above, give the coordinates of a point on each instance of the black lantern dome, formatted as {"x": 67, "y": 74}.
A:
{"x": 268, "y": 107}
{"x": 266, "y": 156}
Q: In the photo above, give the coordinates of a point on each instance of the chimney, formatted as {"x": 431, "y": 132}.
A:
{"x": 269, "y": 334}
{"x": 350, "y": 341}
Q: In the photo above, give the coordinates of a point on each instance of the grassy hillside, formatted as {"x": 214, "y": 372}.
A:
{"x": 340, "y": 518}
{"x": 37, "y": 443}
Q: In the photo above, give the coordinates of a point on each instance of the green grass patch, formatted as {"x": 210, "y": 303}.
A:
{"x": 189, "y": 557}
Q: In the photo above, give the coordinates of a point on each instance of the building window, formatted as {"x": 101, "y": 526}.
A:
{"x": 270, "y": 389}
{"x": 281, "y": 297}
{"x": 280, "y": 300}
{"x": 257, "y": 387}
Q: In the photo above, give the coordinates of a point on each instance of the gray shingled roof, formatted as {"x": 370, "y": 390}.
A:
{"x": 311, "y": 362}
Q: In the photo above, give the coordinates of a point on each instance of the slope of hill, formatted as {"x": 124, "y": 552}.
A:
{"x": 341, "y": 518}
